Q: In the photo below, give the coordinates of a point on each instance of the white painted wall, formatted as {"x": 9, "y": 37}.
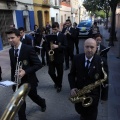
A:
{"x": 53, "y": 13}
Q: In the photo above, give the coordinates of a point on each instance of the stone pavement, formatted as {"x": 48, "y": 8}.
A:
{"x": 58, "y": 105}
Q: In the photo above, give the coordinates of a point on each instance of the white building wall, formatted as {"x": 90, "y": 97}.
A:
{"x": 54, "y": 13}
{"x": 65, "y": 12}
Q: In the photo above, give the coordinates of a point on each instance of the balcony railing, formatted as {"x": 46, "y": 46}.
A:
{"x": 47, "y": 3}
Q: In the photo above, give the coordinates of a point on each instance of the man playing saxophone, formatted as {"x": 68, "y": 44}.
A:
{"x": 55, "y": 68}
{"x": 30, "y": 64}
{"x": 86, "y": 69}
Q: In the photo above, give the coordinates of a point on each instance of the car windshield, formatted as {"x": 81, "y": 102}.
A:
{"x": 84, "y": 24}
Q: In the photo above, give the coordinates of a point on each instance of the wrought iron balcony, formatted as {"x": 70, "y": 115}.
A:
{"x": 47, "y": 3}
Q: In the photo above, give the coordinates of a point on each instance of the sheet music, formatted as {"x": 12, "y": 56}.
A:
{"x": 38, "y": 47}
{"x": 7, "y": 83}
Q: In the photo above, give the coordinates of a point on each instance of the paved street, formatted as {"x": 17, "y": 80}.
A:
{"x": 58, "y": 105}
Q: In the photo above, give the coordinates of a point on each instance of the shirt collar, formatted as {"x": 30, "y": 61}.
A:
{"x": 23, "y": 36}
{"x": 88, "y": 59}
{"x": 19, "y": 47}
{"x": 57, "y": 33}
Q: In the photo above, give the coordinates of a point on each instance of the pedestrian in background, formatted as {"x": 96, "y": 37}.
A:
{"x": 76, "y": 38}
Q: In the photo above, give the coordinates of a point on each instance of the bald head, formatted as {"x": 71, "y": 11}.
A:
{"x": 90, "y": 47}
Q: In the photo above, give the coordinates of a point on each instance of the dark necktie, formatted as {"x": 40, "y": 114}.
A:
{"x": 16, "y": 54}
{"x": 87, "y": 66}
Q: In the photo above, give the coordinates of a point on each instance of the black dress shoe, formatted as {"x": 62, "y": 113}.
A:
{"x": 55, "y": 86}
{"x": 43, "y": 107}
{"x": 59, "y": 89}
{"x": 81, "y": 118}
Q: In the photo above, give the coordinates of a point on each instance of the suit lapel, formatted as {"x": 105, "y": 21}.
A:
{"x": 92, "y": 66}
{"x": 21, "y": 52}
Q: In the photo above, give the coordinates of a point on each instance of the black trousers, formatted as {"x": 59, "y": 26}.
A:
{"x": 57, "y": 78}
{"x": 69, "y": 54}
{"x": 87, "y": 113}
{"x": 76, "y": 45}
{"x": 35, "y": 98}
{"x": 44, "y": 53}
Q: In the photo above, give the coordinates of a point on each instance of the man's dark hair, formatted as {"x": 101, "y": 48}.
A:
{"x": 55, "y": 24}
{"x": 68, "y": 20}
{"x": 98, "y": 35}
{"x": 35, "y": 26}
{"x": 95, "y": 23}
{"x": 13, "y": 30}
{"x": 21, "y": 29}
{"x": 75, "y": 23}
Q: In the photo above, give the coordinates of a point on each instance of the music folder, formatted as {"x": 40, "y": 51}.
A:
{"x": 51, "y": 38}
{"x": 104, "y": 51}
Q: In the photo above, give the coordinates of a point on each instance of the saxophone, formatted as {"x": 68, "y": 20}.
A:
{"x": 51, "y": 52}
{"x": 80, "y": 97}
{"x": 16, "y": 102}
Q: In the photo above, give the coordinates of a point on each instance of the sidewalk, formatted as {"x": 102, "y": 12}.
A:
{"x": 58, "y": 105}
{"x": 114, "y": 79}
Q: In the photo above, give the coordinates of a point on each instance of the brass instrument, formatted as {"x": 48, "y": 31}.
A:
{"x": 17, "y": 78}
{"x": 80, "y": 97}
{"x": 16, "y": 102}
{"x": 51, "y": 52}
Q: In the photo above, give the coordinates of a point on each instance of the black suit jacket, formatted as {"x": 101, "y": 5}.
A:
{"x": 70, "y": 38}
{"x": 27, "y": 40}
{"x": 78, "y": 77}
{"x": 30, "y": 63}
{"x": 76, "y": 33}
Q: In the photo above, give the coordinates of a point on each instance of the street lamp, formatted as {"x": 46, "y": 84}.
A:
{"x": 79, "y": 12}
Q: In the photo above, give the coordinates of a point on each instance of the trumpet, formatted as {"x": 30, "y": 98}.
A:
{"x": 17, "y": 78}
{"x": 16, "y": 102}
{"x": 51, "y": 52}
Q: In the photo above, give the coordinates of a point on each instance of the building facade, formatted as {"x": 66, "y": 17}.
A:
{"x": 42, "y": 12}
{"x": 65, "y": 11}
{"x": 54, "y": 11}
{"x": 19, "y": 13}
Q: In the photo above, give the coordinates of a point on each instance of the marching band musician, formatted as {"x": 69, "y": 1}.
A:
{"x": 100, "y": 47}
{"x": 24, "y": 38}
{"x": 86, "y": 69}
{"x": 69, "y": 33}
{"x": 44, "y": 50}
{"x": 30, "y": 64}
{"x": 57, "y": 64}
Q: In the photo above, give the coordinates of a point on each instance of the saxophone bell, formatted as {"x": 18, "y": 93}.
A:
{"x": 51, "y": 52}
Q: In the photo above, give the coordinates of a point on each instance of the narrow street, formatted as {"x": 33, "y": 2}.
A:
{"x": 58, "y": 105}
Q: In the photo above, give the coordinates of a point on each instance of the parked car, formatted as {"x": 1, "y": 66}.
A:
{"x": 84, "y": 28}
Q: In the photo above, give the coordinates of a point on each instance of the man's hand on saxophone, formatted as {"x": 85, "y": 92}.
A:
{"x": 54, "y": 46}
{"x": 73, "y": 92}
